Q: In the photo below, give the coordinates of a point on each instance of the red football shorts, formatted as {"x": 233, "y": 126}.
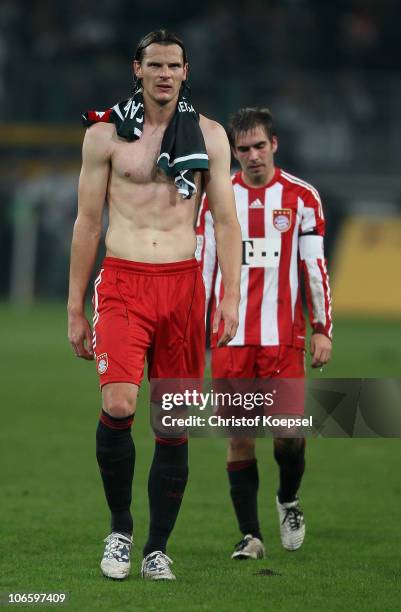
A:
{"x": 148, "y": 310}
{"x": 265, "y": 362}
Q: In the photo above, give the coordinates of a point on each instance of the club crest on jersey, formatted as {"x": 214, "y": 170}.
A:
{"x": 282, "y": 218}
{"x": 102, "y": 363}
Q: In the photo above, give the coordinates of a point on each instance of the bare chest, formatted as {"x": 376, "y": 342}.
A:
{"x": 136, "y": 161}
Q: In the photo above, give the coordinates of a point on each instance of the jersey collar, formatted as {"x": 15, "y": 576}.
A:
{"x": 273, "y": 180}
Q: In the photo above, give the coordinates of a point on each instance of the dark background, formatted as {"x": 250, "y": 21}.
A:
{"x": 330, "y": 72}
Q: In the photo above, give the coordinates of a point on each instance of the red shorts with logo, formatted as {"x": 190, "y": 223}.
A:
{"x": 283, "y": 362}
{"x": 153, "y": 311}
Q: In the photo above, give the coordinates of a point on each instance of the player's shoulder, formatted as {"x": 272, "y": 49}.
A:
{"x": 100, "y": 131}
{"x": 210, "y": 126}
{"x": 300, "y": 186}
{"x": 99, "y": 138}
{"x": 213, "y": 132}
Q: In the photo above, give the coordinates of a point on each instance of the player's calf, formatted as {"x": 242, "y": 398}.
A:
{"x": 244, "y": 482}
{"x": 115, "y": 452}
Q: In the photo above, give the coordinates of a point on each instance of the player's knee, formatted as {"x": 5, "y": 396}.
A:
{"x": 289, "y": 445}
{"x": 243, "y": 447}
{"x": 119, "y": 407}
{"x": 119, "y": 403}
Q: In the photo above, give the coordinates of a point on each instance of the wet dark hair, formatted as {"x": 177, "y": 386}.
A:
{"x": 246, "y": 119}
{"x": 160, "y": 37}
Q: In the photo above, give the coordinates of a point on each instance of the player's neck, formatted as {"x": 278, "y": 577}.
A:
{"x": 259, "y": 181}
{"x": 158, "y": 114}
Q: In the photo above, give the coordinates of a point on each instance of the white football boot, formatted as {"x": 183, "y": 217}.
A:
{"x": 156, "y": 566}
{"x": 249, "y": 548}
{"x": 292, "y": 524}
{"x": 116, "y": 558}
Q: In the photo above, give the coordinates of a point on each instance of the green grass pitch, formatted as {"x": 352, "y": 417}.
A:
{"x": 53, "y": 516}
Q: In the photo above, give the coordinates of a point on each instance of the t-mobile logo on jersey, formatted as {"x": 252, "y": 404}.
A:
{"x": 261, "y": 253}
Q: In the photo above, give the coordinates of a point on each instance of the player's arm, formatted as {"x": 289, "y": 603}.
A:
{"x": 86, "y": 235}
{"x": 227, "y": 231}
{"x": 316, "y": 278}
{"x": 206, "y": 250}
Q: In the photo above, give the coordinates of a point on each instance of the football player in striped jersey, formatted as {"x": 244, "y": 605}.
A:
{"x": 283, "y": 225}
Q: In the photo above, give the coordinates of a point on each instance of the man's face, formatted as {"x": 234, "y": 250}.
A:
{"x": 255, "y": 152}
{"x": 162, "y": 71}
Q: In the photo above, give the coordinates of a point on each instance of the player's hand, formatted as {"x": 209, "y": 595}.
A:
{"x": 80, "y": 336}
{"x": 227, "y": 311}
{"x": 320, "y": 348}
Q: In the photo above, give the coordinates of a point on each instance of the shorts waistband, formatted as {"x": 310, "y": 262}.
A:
{"x": 151, "y": 269}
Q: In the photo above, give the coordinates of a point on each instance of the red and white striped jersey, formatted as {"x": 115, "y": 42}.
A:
{"x": 282, "y": 227}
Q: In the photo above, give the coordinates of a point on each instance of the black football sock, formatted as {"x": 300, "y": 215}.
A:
{"x": 115, "y": 452}
{"x": 244, "y": 483}
{"x": 290, "y": 456}
{"x": 167, "y": 480}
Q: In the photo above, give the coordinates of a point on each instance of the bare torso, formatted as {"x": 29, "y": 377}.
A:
{"x": 148, "y": 219}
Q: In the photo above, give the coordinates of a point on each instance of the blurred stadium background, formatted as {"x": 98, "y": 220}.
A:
{"x": 331, "y": 73}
